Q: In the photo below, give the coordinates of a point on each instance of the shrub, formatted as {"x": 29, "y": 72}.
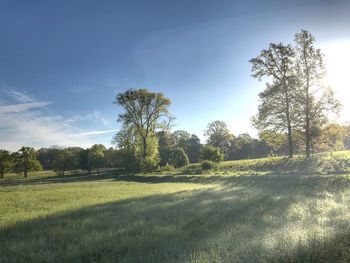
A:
{"x": 208, "y": 165}
{"x": 179, "y": 158}
{"x": 194, "y": 168}
{"x": 211, "y": 153}
{"x": 168, "y": 168}
{"x": 149, "y": 164}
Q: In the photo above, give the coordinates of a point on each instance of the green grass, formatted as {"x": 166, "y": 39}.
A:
{"x": 325, "y": 163}
{"x": 236, "y": 217}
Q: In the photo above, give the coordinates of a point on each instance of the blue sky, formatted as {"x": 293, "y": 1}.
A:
{"x": 62, "y": 62}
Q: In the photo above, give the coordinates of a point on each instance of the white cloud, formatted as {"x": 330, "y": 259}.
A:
{"x": 29, "y": 124}
{"x": 96, "y": 132}
{"x": 16, "y": 108}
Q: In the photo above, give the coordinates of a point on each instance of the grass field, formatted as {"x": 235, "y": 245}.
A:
{"x": 175, "y": 218}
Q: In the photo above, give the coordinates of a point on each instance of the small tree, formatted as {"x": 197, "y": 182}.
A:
{"x": 5, "y": 162}
{"x": 330, "y": 138}
{"x": 26, "y": 161}
{"x": 96, "y": 157}
{"x": 64, "y": 160}
{"x": 212, "y": 153}
{"x": 274, "y": 140}
{"x": 179, "y": 158}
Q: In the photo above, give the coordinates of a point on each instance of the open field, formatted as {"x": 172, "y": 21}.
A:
{"x": 175, "y": 218}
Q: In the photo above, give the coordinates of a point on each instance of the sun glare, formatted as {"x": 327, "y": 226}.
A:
{"x": 337, "y": 59}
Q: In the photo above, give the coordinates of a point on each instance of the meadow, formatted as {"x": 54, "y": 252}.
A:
{"x": 245, "y": 211}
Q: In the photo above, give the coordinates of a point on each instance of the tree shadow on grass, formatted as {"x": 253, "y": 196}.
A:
{"x": 226, "y": 224}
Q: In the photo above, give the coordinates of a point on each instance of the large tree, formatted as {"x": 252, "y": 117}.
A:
{"x": 316, "y": 100}
{"x": 276, "y": 109}
{"x": 144, "y": 110}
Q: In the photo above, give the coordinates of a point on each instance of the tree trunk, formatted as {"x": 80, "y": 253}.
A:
{"x": 144, "y": 144}
{"x": 307, "y": 139}
{"x": 289, "y": 126}
{"x": 307, "y": 120}
{"x": 2, "y": 174}
{"x": 98, "y": 172}
{"x": 63, "y": 170}
{"x": 25, "y": 173}
{"x": 290, "y": 142}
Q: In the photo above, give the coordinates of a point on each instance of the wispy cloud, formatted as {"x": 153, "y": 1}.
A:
{"x": 30, "y": 124}
{"x": 96, "y": 132}
{"x": 20, "y": 96}
{"x": 16, "y": 108}
{"x": 95, "y": 117}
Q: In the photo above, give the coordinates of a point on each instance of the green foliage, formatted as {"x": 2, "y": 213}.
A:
{"x": 317, "y": 100}
{"x": 149, "y": 164}
{"x": 64, "y": 161}
{"x": 96, "y": 156}
{"x": 189, "y": 143}
{"x": 178, "y": 158}
{"x": 193, "y": 148}
{"x": 212, "y": 153}
{"x": 6, "y": 162}
{"x": 165, "y": 145}
{"x": 129, "y": 161}
{"x": 330, "y": 138}
{"x": 83, "y": 160}
{"x": 295, "y": 102}
{"x": 112, "y": 158}
{"x": 25, "y": 161}
{"x": 277, "y": 109}
{"x": 208, "y": 165}
{"x": 168, "y": 168}
{"x": 276, "y": 141}
{"x": 144, "y": 113}
{"x": 219, "y": 135}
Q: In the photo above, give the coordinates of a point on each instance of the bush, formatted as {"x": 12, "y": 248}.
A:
{"x": 168, "y": 168}
{"x": 208, "y": 165}
{"x": 149, "y": 164}
{"x": 179, "y": 158}
{"x": 211, "y": 153}
{"x": 194, "y": 168}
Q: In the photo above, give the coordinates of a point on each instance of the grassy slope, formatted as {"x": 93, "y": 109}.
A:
{"x": 328, "y": 163}
{"x": 176, "y": 218}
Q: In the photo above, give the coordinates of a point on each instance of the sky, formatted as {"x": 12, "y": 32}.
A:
{"x": 63, "y": 62}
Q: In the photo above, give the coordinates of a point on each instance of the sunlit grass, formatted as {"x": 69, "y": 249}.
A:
{"x": 181, "y": 218}
{"x": 322, "y": 163}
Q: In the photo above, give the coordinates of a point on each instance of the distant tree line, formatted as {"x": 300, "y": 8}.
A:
{"x": 175, "y": 149}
